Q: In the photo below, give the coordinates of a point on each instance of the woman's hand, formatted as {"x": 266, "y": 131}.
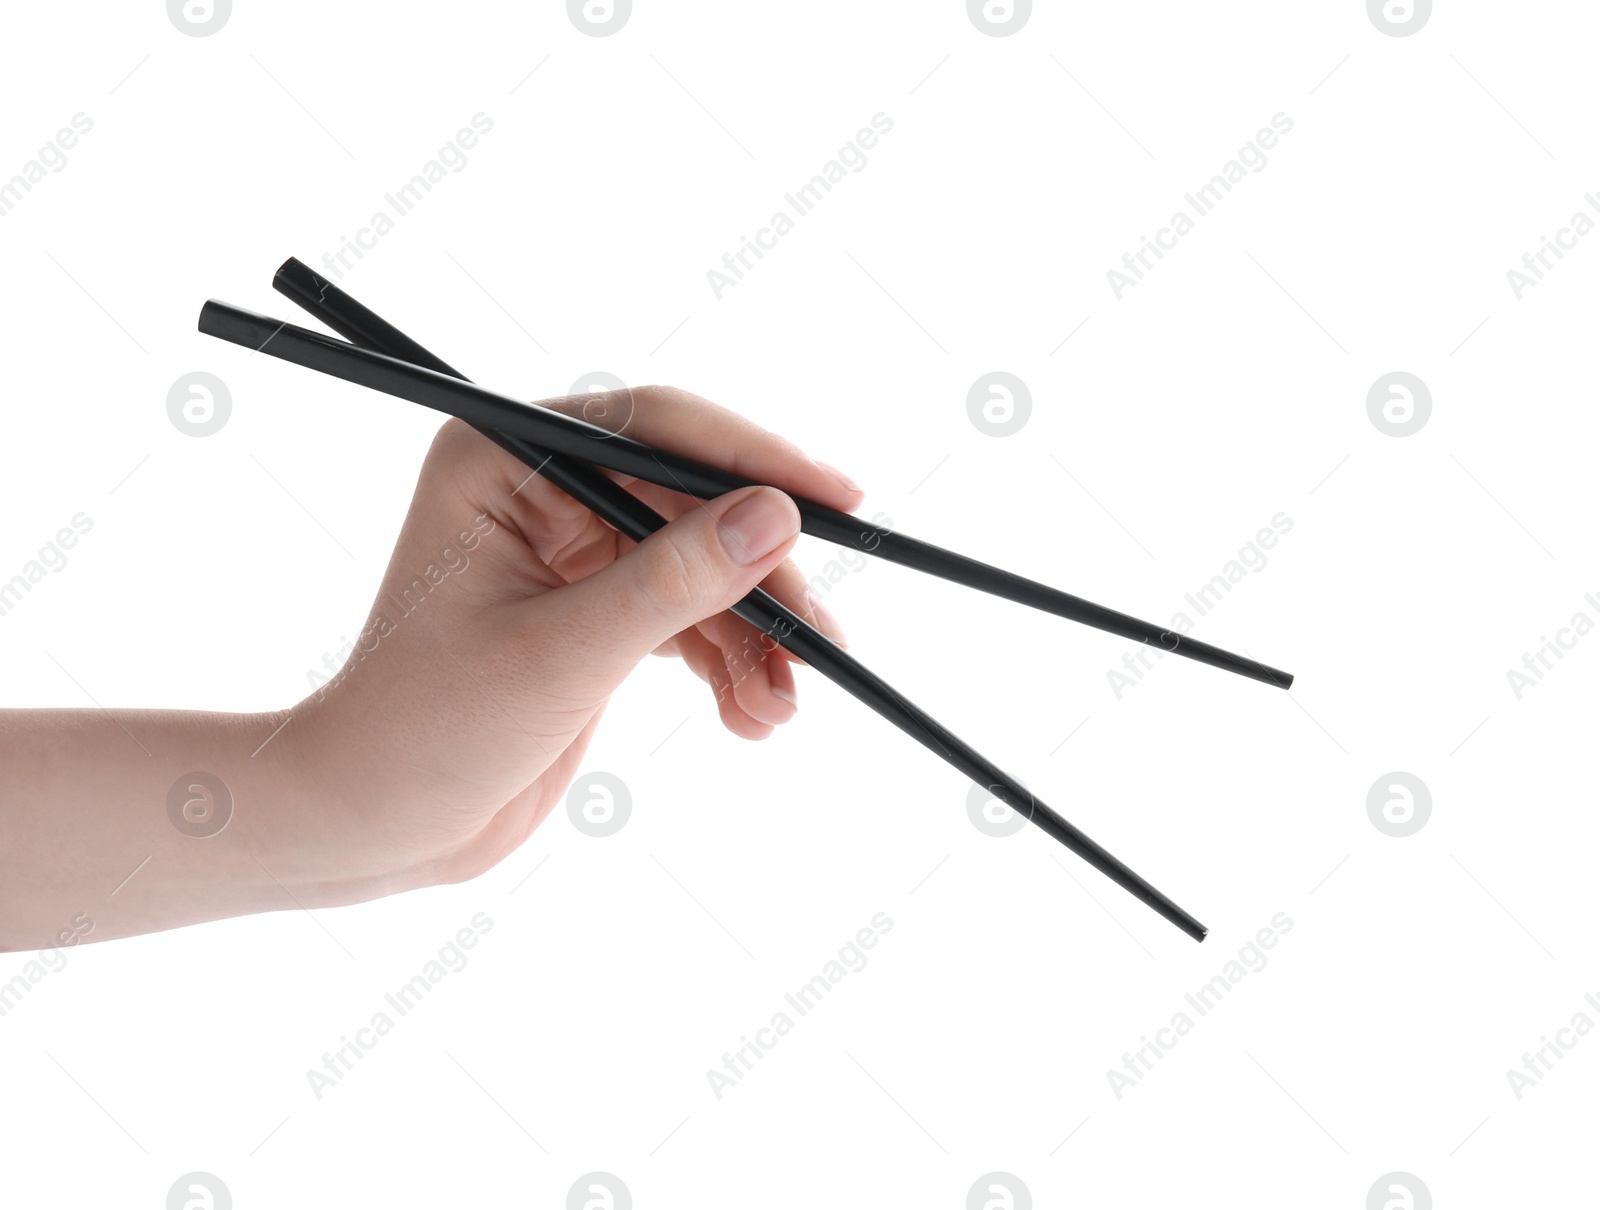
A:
{"x": 508, "y": 615}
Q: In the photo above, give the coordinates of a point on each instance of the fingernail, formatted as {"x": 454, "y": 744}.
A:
{"x": 838, "y": 474}
{"x": 824, "y": 619}
{"x": 757, "y": 526}
{"x": 783, "y": 695}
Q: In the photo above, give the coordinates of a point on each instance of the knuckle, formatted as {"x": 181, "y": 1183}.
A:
{"x": 454, "y": 439}
{"x": 671, "y": 578}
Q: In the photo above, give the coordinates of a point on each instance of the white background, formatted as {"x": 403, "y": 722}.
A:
{"x": 1227, "y": 387}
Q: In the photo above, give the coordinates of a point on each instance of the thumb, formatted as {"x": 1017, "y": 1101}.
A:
{"x": 688, "y": 571}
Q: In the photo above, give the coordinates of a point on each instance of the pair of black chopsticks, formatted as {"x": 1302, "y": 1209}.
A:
{"x": 569, "y": 452}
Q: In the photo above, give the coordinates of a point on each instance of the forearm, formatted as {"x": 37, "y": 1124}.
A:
{"x": 114, "y": 823}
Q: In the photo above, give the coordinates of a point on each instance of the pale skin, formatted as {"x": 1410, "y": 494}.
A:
{"x": 459, "y": 720}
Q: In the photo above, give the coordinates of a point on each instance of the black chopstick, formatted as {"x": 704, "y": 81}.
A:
{"x": 577, "y": 439}
{"x": 344, "y": 314}
{"x": 368, "y": 330}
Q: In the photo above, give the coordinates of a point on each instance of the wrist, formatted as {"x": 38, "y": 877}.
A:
{"x": 317, "y": 833}
{"x": 337, "y": 821}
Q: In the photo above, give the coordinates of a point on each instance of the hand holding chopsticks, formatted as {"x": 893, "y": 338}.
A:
{"x": 567, "y": 451}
